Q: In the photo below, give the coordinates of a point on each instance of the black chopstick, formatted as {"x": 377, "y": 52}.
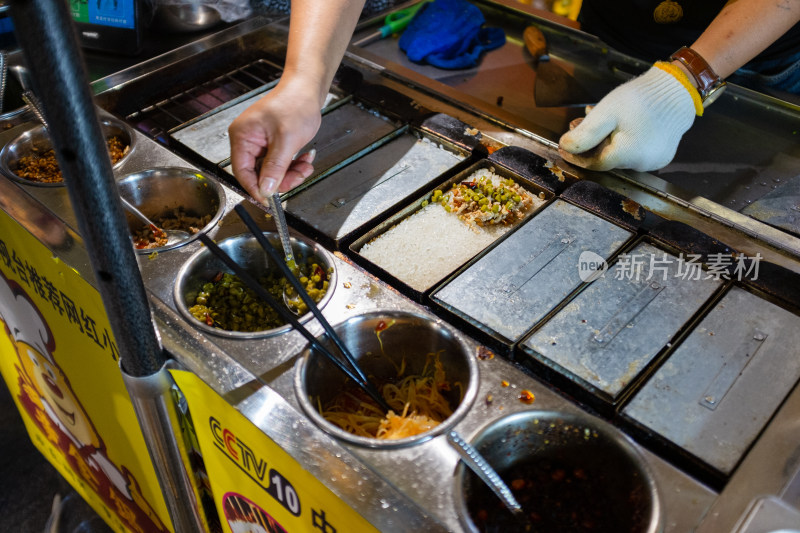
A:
{"x": 312, "y": 305}
{"x": 289, "y": 317}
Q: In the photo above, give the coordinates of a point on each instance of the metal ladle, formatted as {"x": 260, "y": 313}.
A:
{"x": 274, "y": 201}
{"x": 475, "y": 461}
{"x": 174, "y": 236}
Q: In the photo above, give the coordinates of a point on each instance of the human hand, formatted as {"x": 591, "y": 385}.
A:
{"x": 638, "y": 125}
{"x": 276, "y": 127}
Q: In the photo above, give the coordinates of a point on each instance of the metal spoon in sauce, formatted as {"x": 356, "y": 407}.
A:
{"x": 475, "y": 461}
{"x": 174, "y": 236}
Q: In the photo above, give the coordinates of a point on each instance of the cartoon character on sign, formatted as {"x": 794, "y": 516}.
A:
{"x": 47, "y": 396}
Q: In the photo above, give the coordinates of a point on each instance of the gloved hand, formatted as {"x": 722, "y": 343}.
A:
{"x": 638, "y": 125}
{"x": 448, "y": 34}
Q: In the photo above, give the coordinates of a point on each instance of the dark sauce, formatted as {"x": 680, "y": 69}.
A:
{"x": 561, "y": 496}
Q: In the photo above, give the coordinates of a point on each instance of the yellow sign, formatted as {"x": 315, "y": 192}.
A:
{"x": 60, "y": 362}
{"x": 257, "y": 486}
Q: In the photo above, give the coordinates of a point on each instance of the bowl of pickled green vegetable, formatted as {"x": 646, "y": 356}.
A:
{"x": 215, "y": 300}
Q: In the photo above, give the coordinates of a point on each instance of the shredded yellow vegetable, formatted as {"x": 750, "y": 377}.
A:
{"x": 418, "y": 398}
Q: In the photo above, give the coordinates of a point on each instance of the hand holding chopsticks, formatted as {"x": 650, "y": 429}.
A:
{"x": 353, "y": 371}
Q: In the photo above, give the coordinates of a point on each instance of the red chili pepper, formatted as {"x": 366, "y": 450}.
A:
{"x": 217, "y": 277}
{"x": 209, "y": 320}
{"x": 381, "y": 326}
{"x": 321, "y": 273}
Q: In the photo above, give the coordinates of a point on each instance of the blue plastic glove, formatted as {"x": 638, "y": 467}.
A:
{"x": 448, "y": 34}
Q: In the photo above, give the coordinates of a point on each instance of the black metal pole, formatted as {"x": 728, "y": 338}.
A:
{"x": 50, "y": 46}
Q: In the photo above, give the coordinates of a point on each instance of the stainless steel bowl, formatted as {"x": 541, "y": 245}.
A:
{"x": 183, "y": 18}
{"x": 409, "y": 339}
{"x": 157, "y": 192}
{"x": 203, "y": 266}
{"x": 593, "y": 456}
{"x": 37, "y": 139}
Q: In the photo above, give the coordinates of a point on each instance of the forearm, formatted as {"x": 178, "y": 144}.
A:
{"x": 742, "y": 30}
{"x": 319, "y": 33}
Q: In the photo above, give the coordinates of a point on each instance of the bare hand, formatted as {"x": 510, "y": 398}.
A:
{"x": 275, "y": 128}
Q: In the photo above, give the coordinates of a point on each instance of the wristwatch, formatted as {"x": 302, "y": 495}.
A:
{"x": 709, "y": 85}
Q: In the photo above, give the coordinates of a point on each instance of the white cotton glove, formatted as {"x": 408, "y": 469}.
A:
{"x": 638, "y": 125}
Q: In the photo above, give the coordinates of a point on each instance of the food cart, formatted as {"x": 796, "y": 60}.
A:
{"x": 646, "y": 306}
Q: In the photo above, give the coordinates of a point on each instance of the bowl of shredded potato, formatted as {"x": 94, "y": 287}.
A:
{"x": 424, "y": 370}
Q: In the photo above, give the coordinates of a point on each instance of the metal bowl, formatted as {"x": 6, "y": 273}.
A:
{"x": 409, "y": 338}
{"x": 157, "y": 192}
{"x": 37, "y": 139}
{"x": 573, "y": 464}
{"x": 183, "y": 18}
{"x": 203, "y": 266}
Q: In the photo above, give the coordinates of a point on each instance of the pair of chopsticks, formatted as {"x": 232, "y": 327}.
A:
{"x": 354, "y": 371}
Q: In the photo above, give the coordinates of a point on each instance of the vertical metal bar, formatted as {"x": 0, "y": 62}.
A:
{"x": 50, "y": 47}
{"x": 47, "y": 38}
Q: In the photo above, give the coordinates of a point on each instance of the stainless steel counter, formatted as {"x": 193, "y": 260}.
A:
{"x": 419, "y": 495}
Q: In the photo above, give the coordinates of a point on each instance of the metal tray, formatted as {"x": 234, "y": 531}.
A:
{"x": 515, "y": 285}
{"x": 365, "y": 189}
{"x": 417, "y": 290}
{"x": 719, "y": 388}
{"x": 611, "y": 332}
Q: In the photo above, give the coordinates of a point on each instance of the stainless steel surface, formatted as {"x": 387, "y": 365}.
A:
{"x": 202, "y": 267}
{"x": 603, "y": 454}
{"x": 255, "y": 374}
{"x": 155, "y": 409}
{"x": 780, "y": 207}
{"x": 352, "y": 196}
{"x": 715, "y": 406}
{"x": 476, "y": 463}
{"x": 744, "y": 147}
{"x": 184, "y": 17}
{"x": 383, "y": 342}
{"x": 166, "y": 193}
{"x": 513, "y": 286}
{"x": 35, "y": 139}
{"x": 610, "y": 332}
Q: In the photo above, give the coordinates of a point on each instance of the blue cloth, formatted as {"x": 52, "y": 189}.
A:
{"x": 448, "y": 34}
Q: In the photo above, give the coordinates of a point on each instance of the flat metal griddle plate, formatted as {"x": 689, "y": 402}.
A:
{"x": 780, "y": 207}
{"x": 344, "y": 132}
{"x": 613, "y": 329}
{"x": 719, "y": 388}
{"x": 514, "y": 286}
{"x": 350, "y": 197}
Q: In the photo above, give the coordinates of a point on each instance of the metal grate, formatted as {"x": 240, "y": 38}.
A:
{"x": 167, "y": 115}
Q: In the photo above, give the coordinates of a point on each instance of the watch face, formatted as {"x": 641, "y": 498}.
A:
{"x": 713, "y": 93}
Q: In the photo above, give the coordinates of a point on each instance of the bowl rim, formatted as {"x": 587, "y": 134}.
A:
{"x": 613, "y": 434}
{"x": 36, "y": 128}
{"x": 186, "y": 172}
{"x": 470, "y": 392}
{"x": 183, "y": 309}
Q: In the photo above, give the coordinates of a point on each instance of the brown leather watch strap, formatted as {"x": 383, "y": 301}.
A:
{"x": 700, "y": 70}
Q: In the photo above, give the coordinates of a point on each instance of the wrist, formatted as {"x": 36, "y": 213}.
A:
{"x": 707, "y": 82}
{"x": 685, "y": 80}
